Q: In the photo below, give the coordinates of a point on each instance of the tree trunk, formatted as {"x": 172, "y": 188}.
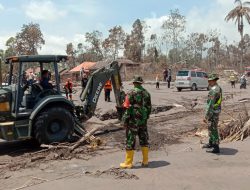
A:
{"x": 166, "y": 52}
{"x": 242, "y": 45}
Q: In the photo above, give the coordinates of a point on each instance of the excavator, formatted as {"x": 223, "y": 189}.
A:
{"x": 29, "y": 111}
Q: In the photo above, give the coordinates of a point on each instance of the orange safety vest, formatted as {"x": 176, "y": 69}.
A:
{"x": 108, "y": 85}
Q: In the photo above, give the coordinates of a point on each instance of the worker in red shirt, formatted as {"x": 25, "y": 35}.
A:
{"x": 107, "y": 90}
{"x": 68, "y": 88}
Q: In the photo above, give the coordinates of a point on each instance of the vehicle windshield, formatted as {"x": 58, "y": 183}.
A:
{"x": 248, "y": 69}
{"x": 182, "y": 73}
{"x": 29, "y": 72}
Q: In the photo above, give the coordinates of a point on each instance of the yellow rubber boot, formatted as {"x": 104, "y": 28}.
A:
{"x": 128, "y": 163}
{"x": 145, "y": 156}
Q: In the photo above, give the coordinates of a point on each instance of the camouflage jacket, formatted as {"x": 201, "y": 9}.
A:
{"x": 214, "y": 101}
{"x": 140, "y": 108}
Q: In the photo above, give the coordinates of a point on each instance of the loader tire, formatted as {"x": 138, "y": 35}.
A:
{"x": 53, "y": 125}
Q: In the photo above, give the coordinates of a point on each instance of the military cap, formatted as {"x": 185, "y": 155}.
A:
{"x": 213, "y": 76}
{"x": 138, "y": 79}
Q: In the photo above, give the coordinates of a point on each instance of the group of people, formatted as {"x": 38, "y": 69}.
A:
{"x": 84, "y": 74}
{"x": 167, "y": 77}
{"x": 107, "y": 87}
{"x": 233, "y": 79}
{"x": 137, "y": 106}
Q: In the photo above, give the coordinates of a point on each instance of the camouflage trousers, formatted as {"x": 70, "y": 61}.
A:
{"x": 131, "y": 134}
{"x": 213, "y": 129}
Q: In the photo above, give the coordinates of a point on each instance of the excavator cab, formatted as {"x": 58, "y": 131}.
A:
{"x": 27, "y": 104}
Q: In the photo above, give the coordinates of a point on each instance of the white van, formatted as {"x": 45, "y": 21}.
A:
{"x": 191, "y": 79}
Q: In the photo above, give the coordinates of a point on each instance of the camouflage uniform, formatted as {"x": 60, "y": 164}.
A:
{"x": 213, "y": 110}
{"x": 136, "y": 116}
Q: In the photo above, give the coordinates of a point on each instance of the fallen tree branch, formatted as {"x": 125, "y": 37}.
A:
{"x": 237, "y": 129}
{"x": 65, "y": 150}
{"x": 33, "y": 159}
{"x": 88, "y": 135}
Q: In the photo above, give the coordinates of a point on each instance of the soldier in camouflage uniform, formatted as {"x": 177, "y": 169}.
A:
{"x": 138, "y": 109}
{"x": 213, "y": 110}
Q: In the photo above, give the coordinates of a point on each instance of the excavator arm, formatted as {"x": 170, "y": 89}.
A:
{"x": 90, "y": 95}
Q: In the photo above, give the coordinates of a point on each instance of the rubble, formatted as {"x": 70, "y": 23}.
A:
{"x": 161, "y": 108}
{"x": 117, "y": 173}
{"x": 235, "y": 129}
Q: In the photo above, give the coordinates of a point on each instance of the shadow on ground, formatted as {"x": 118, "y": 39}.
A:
{"x": 18, "y": 148}
{"x": 228, "y": 151}
{"x": 154, "y": 164}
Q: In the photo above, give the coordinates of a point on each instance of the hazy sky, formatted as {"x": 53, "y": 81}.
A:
{"x": 64, "y": 21}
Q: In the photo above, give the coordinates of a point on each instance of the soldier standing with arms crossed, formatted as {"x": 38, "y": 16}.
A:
{"x": 138, "y": 108}
{"x": 213, "y": 110}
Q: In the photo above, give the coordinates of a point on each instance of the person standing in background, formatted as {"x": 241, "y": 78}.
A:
{"x": 169, "y": 78}
{"x": 82, "y": 72}
{"x": 107, "y": 90}
{"x": 165, "y": 75}
{"x": 68, "y": 89}
{"x": 243, "y": 82}
{"x": 84, "y": 81}
{"x": 157, "y": 80}
{"x": 83, "y": 77}
{"x": 232, "y": 79}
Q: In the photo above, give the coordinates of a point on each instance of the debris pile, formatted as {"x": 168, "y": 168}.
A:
{"x": 157, "y": 140}
{"x": 234, "y": 125}
{"x": 61, "y": 151}
{"x": 158, "y": 109}
{"x": 117, "y": 173}
{"x": 110, "y": 114}
{"x": 237, "y": 128}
